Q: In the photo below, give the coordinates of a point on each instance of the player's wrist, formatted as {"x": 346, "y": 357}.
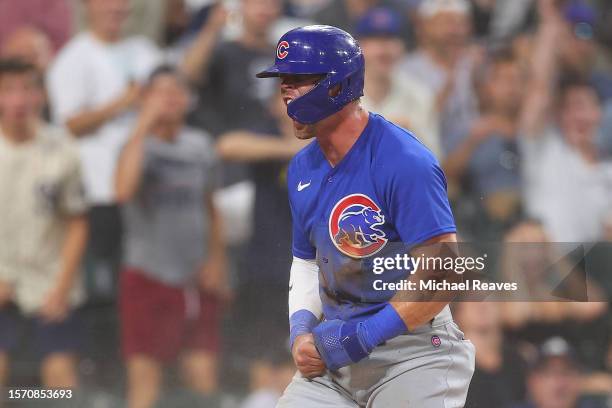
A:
{"x": 300, "y": 323}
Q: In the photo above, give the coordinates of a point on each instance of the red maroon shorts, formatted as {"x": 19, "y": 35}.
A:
{"x": 161, "y": 321}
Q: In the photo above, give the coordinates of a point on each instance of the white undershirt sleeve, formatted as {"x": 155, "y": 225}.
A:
{"x": 304, "y": 287}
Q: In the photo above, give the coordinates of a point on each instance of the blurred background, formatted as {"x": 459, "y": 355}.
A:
{"x": 152, "y": 269}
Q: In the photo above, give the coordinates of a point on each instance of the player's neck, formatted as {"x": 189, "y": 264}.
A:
{"x": 337, "y": 134}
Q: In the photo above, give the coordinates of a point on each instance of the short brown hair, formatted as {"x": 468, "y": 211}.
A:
{"x": 17, "y": 66}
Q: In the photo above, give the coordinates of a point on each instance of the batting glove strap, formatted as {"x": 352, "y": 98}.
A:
{"x": 339, "y": 344}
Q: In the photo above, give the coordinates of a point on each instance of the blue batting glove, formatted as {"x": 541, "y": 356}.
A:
{"x": 339, "y": 344}
{"x": 342, "y": 343}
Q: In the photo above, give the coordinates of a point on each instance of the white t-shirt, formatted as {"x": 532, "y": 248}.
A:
{"x": 40, "y": 186}
{"x": 461, "y": 105}
{"x": 87, "y": 74}
{"x": 409, "y": 101}
{"x": 570, "y": 196}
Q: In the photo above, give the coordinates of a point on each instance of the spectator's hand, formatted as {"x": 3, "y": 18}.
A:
{"x": 150, "y": 110}
{"x": 6, "y": 293}
{"x": 55, "y": 307}
{"x": 217, "y": 18}
{"x": 549, "y": 10}
{"x": 213, "y": 278}
{"x": 306, "y": 357}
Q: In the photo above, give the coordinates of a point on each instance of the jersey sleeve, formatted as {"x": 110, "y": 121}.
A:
{"x": 301, "y": 246}
{"x": 415, "y": 192}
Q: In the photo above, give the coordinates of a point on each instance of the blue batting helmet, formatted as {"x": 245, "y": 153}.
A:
{"x": 324, "y": 50}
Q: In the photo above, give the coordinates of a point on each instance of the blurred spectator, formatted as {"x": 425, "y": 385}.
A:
{"x": 497, "y": 21}
{"x": 345, "y": 14}
{"x": 497, "y": 380}
{"x": 53, "y": 17}
{"x": 485, "y": 160}
{"x": 599, "y": 258}
{"x": 554, "y": 379}
{"x": 444, "y": 64}
{"x": 388, "y": 91}
{"x": 305, "y": 8}
{"x": 93, "y": 86}
{"x": 267, "y": 152}
{"x": 604, "y": 137}
{"x": 174, "y": 35}
{"x": 578, "y": 48}
{"x": 43, "y": 230}
{"x": 542, "y": 271}
{"x": 482, "y": 15}
{"x": 174, "y": 267}
{"x": 29, "y": 44}
{"x": 146, "y": 18}
{"x": 230, "y": 96}
{"x": 272, "y": 375}
{"x": 561, "y": 164}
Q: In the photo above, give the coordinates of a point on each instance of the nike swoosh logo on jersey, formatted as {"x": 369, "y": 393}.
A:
{"x": 301, "y": 186}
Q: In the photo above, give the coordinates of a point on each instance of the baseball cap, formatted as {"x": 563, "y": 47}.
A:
{"x": 554, "y": 347}
{"x": 582, "y": 17}
{"x": 379, "y": 21}
{"x": 429, "y": 8}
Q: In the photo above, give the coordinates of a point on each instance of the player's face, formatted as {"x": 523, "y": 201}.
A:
{"x": 292, "y": 87}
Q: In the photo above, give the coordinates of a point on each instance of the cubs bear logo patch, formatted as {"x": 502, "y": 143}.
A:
{"x": 354, "y": 226}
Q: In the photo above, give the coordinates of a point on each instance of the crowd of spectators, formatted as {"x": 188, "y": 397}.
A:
{"x": 144, "y": 217}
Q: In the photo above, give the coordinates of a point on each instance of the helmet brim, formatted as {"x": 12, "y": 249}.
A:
{"x": 270, "y": 72}
{"x": 288, "y": 68}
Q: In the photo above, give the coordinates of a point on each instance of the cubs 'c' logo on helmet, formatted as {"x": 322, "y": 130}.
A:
{"x": 282, "y": 50}
{"x": 354, "y": 226}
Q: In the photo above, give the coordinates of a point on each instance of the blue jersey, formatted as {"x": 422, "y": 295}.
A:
{"x": 385, "y": 196}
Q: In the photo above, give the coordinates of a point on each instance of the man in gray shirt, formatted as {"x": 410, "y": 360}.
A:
{"x": 174, "y": 266}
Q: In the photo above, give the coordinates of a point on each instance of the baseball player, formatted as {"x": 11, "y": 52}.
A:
{"x": 364, "y": 189}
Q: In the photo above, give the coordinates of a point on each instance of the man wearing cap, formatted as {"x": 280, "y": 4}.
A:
{"x": 554, "y": 378}
{"x": 365, "y": 190}
{"x": 388, "y": 91}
